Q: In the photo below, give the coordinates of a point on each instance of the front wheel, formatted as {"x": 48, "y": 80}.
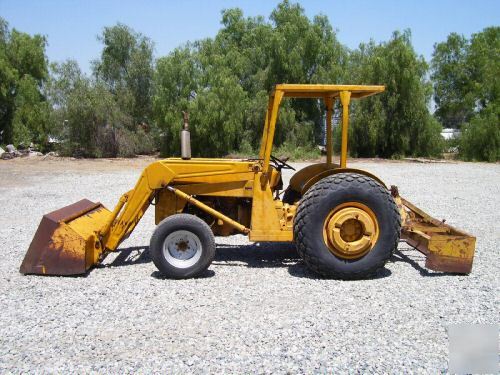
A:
{"x": 347, "y": 226}
{"x": 182, "y": 246}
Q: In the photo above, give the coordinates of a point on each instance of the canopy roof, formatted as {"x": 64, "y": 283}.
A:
{"x": 322, "y": 91}
{"x": 326, "y": 92}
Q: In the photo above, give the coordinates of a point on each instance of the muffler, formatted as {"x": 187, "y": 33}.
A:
{"x": 185, "y": 138}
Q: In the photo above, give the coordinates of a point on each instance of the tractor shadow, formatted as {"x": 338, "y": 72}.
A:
{"x": 268, "y": 255}
{"x": 271, "y": 255}
{"x": 129, "y": 256}
{"x": 256, "y": 255}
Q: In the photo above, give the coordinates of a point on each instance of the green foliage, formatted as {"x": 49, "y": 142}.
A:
{"x": 452, "y": 144}
{"x": 304, "y": 51}
{"x": 130, "y": 105}
{"x": 145, "y": 142}
{"x": 90, "y": 110}
{"x": 397, "y": 122}
{"x": 483, "y": 60}
{"x": 88, "y": 119}
{"x": 126, "y": 67}
{"x": 27, "y": 54}
{"x": 480, "y": 138}
{"x": 246, "y": 149}
{"x": 294, "y": 152}
{"x": 454, "y": 100}
{"x": 175, "y": 82}
{"x": 109, "y": 115}
{"x": 23, "y": 68}
{"x": 216, "y": 123}
{"x": 224, "y": 82}
{"x": 31, "y": 114}
{"x": 467, "y": 90}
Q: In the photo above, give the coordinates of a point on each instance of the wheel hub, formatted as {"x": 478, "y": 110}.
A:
{"x": 351, "y": 230}
{"x": 182, "y": 248}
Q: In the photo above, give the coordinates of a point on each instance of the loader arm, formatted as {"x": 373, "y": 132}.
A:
{"x": 133, "y": 204}
{"x": 158, "y": 175}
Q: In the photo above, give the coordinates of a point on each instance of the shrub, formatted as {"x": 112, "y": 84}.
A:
{"x": 429, "y": 141}
{"x": 480, "y": 138}
{"x": 246, "y": 149}
{"x": 294, "y": 152}
{"x": 145, "y": 143}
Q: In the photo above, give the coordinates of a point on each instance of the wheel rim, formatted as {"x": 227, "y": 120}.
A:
{"x": 182, "y": 249}
{"x": 351, "y": 230}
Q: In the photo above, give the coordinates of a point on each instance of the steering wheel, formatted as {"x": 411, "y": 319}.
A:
{"x": 281, "y": 164}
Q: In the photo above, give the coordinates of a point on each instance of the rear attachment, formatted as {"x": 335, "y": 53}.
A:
{"x": 66, "y": 241}
{"x": 447, "y": 249}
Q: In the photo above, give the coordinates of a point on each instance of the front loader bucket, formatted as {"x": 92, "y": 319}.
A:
{"x": 446, "y": 248}
{"x": 66, "y": 241}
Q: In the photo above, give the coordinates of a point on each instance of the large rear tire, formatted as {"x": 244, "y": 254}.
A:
{"x": 347, "y": 226}
{"x": 182, "y": 246}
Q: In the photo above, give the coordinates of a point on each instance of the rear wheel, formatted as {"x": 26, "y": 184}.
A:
{"x": 182, "y": 246}
{"x": 347, "y": 226}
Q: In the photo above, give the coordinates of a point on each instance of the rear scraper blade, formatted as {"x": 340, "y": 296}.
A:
{"x": 447, "y": 249}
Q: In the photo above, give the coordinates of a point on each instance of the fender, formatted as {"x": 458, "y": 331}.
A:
{"x": 329, "y": 172}
{"x": 303, "y": 175}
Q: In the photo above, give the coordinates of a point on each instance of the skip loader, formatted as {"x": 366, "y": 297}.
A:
{"x": 344, "y": 221}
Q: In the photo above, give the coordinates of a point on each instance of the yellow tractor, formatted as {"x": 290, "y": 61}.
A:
{"x": 344, "y": 221}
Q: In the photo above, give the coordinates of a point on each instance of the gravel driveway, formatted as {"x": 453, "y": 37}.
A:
{"x": 258, "y": 309}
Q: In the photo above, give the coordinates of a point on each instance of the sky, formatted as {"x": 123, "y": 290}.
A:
{"x": 72, "y": 26}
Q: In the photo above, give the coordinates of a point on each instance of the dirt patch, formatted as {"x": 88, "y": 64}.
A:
{"x": 42, "y": 163}
{"x": 19, "y": 171}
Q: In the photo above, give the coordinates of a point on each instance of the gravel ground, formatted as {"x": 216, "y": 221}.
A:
{"x": 257, "y": 309}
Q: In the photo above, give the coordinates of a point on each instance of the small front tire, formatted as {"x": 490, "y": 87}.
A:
{"x": 182, "y": 246}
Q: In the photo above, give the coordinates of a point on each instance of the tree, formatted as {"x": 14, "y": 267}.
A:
{"x": 217, "y": 126}
{"x": 467, "y": 91}
{"x": 396, "y": 122}
{"x": 304, "y": 51}
{"x": 64, "y": 78}
{"x": 454, "y": 100}
{"x": 23, "y": 70}
{"x": 110, "y": 113}
{"x": 241, "y": 64}
{"x": 87, "y": 118}
{"x": 175, "y": 82}
{"x": 484, "y": 68}
{"x": 126, "y": 67}
{"x": 30, "y": 122}
{"x": 8, "y": 77}
{"x": 480, "y": 138}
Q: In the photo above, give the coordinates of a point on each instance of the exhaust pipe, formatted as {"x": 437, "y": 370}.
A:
{"x": 185, "y": 138}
